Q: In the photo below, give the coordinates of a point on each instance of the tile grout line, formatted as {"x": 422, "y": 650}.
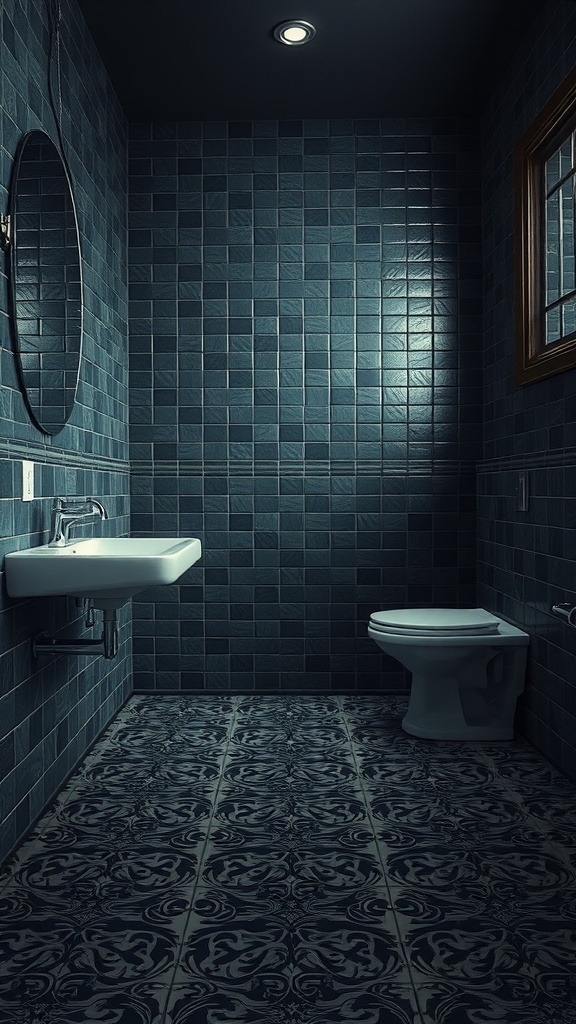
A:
{"x": 405, "y": 956}
{"x": 231, "y": 723}
{"x": 512, "y": 790}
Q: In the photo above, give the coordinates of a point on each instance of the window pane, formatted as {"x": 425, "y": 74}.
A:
{"x": 545, "y": 250}
{"x": 552, "y": 248}
{"x": 552, "y": 325}
{"x": 566, "y": 162}
{"x": 569, "y": 316}
{"x": 567, "y": 263}
{"x": 560, "y": 163}
{"x": 552, "y": 170}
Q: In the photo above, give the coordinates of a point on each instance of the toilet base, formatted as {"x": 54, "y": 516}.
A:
{"x": 469, "y": 732}
{"x": 465, "y": 706}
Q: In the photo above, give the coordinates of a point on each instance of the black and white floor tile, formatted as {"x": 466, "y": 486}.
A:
{"x": 293, "y": 860}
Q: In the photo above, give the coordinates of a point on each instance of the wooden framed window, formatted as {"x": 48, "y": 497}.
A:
{"x": 545, "y": 240}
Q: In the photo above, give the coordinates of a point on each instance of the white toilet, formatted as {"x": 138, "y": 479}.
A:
{"x": 468, "y": 669}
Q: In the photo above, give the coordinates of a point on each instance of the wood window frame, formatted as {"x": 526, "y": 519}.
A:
{"x": 536, "y": 360}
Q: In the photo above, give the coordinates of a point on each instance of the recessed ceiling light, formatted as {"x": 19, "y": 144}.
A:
{"x": 294, "y": 33}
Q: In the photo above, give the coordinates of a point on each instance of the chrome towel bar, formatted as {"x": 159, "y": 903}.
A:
{"x": 565, "y": 611}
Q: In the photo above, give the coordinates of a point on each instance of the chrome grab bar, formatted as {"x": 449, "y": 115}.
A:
{"x": 565, "y": 611}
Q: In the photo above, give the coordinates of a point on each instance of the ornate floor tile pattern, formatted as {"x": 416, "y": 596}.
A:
{"x": 293, "y": 860}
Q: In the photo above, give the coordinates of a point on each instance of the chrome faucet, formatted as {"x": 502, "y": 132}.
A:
{"x": 66, "y": 512}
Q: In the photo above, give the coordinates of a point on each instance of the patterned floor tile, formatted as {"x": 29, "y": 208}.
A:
{"x": 286, "y": 810}
{"x": 249, "y": 867}
{"x": 306, "y": 779}
{"x": 380, "y": 1003}
{"x": 443, "y": 868}
{"x": 296, "y": 835}
{"x": 332, "y": 867}
{"x": 55, "y": 869}
{"x": 403, "y": 819}
{"x": 293, "y": 860}
{"x": 76, "y": 1001}
{"x": 267, "y": 774}
{"x": 300, "y": 745}
{"x": 142, "y": 774}
{"x": 283, "y": 943}
{"x": 272, "y": 708}
{"x": 157, "y": 709}
{"x": 481, "y": 938}
{"x": 553, "y": 813}
{"x": 291, "y": 901}
{"x": 179, "y": 820}
{"x": 93, "y": 899}
{"x": 94, "y": 934}
{"x": 518, "y": 763}
{"x": 511, "y": 1000}
{"x": 164, "y": 747}
{"x": 63, "y": 946}
{"x": 373, "y": 710}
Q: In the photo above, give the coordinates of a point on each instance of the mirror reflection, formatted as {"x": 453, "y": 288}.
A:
{"x": 46, "y": 282}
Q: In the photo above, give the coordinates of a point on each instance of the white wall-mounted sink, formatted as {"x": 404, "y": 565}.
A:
{"x": 108, "y": 571}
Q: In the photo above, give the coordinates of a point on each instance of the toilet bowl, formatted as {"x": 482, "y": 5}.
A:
{"x": 468, "y": 669}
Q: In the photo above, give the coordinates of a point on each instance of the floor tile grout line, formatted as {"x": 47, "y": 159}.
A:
{"x": 511, "y": 787}
{"x": 286, "y": 704}
{"x": 370, "y": 818}
{"x": 233, "y": 714}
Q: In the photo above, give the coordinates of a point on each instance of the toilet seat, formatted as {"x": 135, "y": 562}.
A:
{"x": 435, "y": 622}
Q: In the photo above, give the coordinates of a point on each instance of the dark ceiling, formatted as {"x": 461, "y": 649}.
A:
{"x": 218, "y": 60}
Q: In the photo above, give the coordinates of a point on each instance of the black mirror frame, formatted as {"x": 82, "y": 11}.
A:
{"x": 13, "y": 222}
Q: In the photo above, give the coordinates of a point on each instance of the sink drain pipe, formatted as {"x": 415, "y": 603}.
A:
{"x": 106, "y": 646}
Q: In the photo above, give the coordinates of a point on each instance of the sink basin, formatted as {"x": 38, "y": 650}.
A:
{"x": 108, "y": 571}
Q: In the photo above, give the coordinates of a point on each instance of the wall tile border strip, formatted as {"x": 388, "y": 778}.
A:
{"x": 184, "y": 467}
{"x": 269, "y": 692}
{"x": 15, "y": 450}
{"x": 530, "y": 460}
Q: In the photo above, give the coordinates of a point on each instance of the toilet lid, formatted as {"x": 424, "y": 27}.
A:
{"x": 440, "y": 621}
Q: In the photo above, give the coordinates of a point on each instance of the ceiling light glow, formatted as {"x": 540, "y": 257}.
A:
{"x": 294, "y": 33}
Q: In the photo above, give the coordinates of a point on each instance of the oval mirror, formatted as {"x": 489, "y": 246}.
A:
{"x": 46, "y": 281}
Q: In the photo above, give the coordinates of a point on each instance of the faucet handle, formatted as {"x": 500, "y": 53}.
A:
{"x": 68, "y": 504}
{"x": 97, "y": 507}
{"x": 79, "y": 505}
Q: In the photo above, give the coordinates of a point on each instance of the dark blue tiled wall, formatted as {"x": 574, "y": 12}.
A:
{"x": 527, "y": 559}
{"x": 305, "y": 351}
{"x": 51, "y": 709}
